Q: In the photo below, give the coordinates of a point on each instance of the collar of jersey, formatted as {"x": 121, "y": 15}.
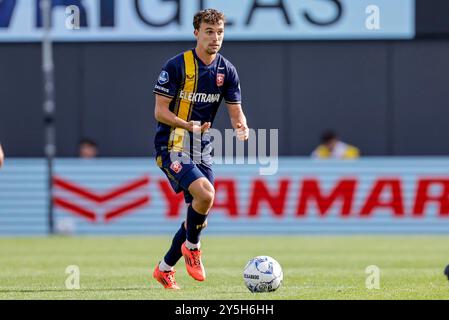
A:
{"x": 208, "y": 66}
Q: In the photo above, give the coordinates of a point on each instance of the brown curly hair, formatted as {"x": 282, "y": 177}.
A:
{"x": 209, "y": 16}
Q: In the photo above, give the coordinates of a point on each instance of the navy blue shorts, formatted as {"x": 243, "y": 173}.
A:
{"x": 181, "y": 171}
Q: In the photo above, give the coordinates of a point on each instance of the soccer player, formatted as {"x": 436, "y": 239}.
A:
{"x": 188, "y": 93}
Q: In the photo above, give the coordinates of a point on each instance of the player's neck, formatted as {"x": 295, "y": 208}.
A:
{"x": 206, "y": 58}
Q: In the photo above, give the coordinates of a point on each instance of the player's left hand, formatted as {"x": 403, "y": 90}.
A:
{"x": 242, "y": 132}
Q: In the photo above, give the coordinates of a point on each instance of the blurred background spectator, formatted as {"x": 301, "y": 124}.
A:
{"x": 88, "y": 149}
{"x": 332, "y": 148}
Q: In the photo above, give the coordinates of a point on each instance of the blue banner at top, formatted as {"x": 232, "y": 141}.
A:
{"x": 171, "y": 20}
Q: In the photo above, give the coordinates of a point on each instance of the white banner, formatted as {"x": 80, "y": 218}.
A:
{"x": 169, "y": 20}
{"x": 132, "y": 196}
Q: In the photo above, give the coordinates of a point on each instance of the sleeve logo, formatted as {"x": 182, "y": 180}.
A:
{"x": 163, "y": 77}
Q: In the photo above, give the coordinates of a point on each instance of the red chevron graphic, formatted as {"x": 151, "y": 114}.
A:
{"x": 126, "y": 208}
{"x": 102, "y": 198}
{"x": 109, "y": 195}
{"x": 73, "y": 208}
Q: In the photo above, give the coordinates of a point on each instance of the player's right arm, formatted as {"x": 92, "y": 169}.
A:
{"x": 163, "y": 114}
{"x": 165, "y": 90}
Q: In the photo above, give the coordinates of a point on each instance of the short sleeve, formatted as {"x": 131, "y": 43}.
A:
{"x": 232, "y": 93}
{"x": 168, "y": 80}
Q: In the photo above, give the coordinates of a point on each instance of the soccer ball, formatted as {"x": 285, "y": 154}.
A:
{"x": 263, "y": 274}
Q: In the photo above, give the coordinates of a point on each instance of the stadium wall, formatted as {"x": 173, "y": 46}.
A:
{"x": 386, "y": 97}
{"x": 132, "y": 196}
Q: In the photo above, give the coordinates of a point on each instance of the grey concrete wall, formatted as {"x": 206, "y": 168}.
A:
{"x": 387, "y": 97}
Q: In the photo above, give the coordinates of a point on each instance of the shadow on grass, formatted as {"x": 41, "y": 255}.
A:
{"x": 70, "y": 290}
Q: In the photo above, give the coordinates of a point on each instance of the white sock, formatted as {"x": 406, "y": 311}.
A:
{"x": 193, "y": 246}
{"x": 164, "y": 267}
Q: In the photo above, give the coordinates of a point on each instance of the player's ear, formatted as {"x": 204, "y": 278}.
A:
{"x": 195, "y": 32}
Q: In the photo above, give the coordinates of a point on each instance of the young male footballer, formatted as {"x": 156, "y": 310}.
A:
{"x": 188, "y": 93}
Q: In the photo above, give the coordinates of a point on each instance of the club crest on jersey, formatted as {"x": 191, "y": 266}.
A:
{"x": 163, "y": 77}
{"x": 176, "y": 166}
{"x": 220, "y": 79}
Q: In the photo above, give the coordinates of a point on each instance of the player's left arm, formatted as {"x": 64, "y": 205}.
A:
{"x": 238, "y": 120}
{"x": 233, "y": 98}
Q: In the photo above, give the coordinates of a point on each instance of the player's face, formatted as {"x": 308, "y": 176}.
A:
{"x": 210, "y": 37}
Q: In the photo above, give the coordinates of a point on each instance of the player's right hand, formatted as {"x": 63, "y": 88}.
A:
{"x": 194, "y": 126}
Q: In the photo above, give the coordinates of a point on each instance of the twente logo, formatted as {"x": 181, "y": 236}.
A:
{"x": 176, "y": 166}
{"x": 220, "y": 79}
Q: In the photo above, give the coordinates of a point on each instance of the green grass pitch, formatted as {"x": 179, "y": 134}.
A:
{"x": 315, "y": 267}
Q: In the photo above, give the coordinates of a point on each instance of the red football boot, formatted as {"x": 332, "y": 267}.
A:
{"x": 193, "y": 263}
{"x": 166, "y": 278}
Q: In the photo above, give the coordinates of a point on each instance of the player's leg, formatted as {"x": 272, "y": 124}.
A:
{"x": 202, "y": 194}
{"x": 164, "y": 272}
{"x": 186, "y": 241}
{"x": 202, "y": 202}
{"x": 174, "y": 253}
{"x": 181, "y": 177}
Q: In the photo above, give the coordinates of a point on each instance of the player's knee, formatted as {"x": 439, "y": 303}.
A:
{"x": 209, "y": 198}
{"x": 203, "y": 193}
{"x": 206, "y": 199}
